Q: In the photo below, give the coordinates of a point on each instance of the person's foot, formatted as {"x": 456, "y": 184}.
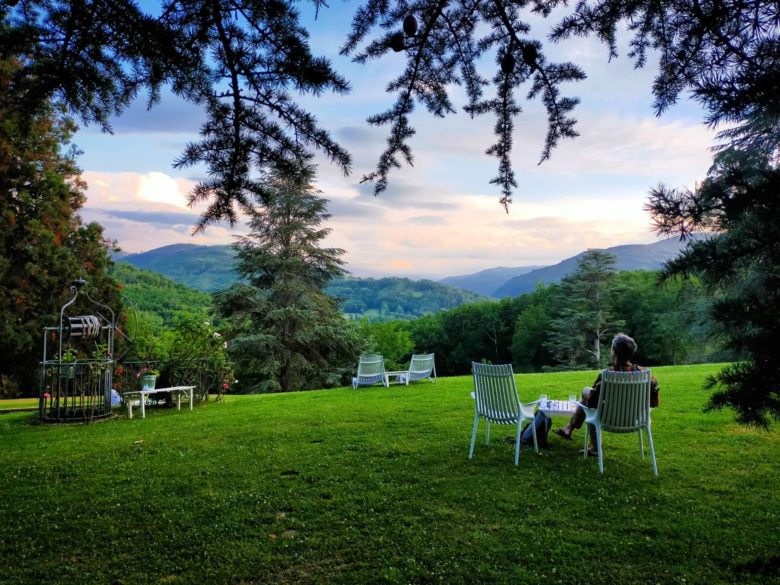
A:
{"x": 562, "y": 433}
{"x": 591, "y": 452}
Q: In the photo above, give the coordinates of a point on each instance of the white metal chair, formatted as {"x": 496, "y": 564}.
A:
{"x": 623, "y": 407}
{"x": 421, "y": 366}
{"x": 371, "y": 369}
{"x": 496, "y": 400}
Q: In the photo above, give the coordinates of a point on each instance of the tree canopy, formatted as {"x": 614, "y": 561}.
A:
{"x": 243, "y": 61}
{"x": 725, "y": 52}
{"x": 44, "y": 245}
{"x": 240, "y": 61}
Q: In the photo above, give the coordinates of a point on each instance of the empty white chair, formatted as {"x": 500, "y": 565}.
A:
{"x": 421, "y": 366}
{"x": 496, "y": 400}
{"x": 371, "y": 369}
{"x": 623, "y": 407}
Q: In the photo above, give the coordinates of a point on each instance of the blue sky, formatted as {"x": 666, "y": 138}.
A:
{"x": 440, "y": 217}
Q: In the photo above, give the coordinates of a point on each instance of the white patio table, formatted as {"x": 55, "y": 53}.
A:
{"x": 558, "y": 407}
{"x": 129, "y": 397}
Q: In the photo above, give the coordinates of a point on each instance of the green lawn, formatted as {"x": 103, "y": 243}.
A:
{"x": 374, "y": 486}
{"x": 11, "y": 403}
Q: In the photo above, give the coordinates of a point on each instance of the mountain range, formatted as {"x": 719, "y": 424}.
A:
{"x": 629, "y": 257}
{"x": 212, "y": 268}
{"x": 486, "y": 282}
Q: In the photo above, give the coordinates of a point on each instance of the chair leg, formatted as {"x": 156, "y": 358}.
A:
{"x": 641, "y": 444}
{"x": 587, "y": 437}
{"x": 487, "y": 432}
{"x": 473, "y": 436}
{"x": 598, "y": 444}
{"x": 517, "y": 442}
{"x": 652, "y": 450}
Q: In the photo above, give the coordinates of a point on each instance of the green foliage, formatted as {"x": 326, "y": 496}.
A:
{"x": 158, "y": 300}
{"x": 197, "y": 355}
{"x": 724, "y": 53}
{"x": 740, "y": 264}
{"x": 669, "y": 319}
{"x": 285, "y": 332}
{"x": 44, "y": 245}
{"x": 532, "y": 328}
{"x": 474, "y": 332}
{"x": 391, "y": 340}
{"x": 670, "y": 323}
{"x": 212, "y": 268}
{"x": 584, "y": 312}
{"x": 375, "y": 485}
{"x": 395, "y": 298}
{"x": 239, "y": 62}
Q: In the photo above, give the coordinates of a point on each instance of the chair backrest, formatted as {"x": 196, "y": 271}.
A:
{"x": 624, "y": 400}
{"x": 421, "y": 366}
{"x": 370, "y": 366}
{"x": 495, "y": 392}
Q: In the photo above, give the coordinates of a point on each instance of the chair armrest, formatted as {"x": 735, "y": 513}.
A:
{"x": 473, "y": 396}
{"x": 527, "y": 408}
{"x": 590, "y": 413}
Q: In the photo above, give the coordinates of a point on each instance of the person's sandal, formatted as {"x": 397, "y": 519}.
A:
{"x": 560, "y": 433}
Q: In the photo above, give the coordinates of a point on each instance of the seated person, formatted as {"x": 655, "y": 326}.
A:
{"x": 623, "y": 349}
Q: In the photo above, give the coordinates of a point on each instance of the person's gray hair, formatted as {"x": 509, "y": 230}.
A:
{"x": 624, "y": 347}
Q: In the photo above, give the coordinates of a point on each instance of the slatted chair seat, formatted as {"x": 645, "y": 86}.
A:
{"x": 496, "y": 400}
{"x": 623, "y": 407}
{"x": 371, "y": 369}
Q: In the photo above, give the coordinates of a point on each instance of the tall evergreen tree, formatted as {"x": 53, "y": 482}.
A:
{"x": 585, "y": 315}
{"x": 740, "y": 263}
{"x": 43, "y": 243}
{"x": 287, "y": 334}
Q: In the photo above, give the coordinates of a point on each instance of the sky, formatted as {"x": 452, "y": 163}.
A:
{"x": 442, "y": 216}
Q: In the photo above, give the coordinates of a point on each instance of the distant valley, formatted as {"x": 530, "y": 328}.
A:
{"x": 212, "y": 268}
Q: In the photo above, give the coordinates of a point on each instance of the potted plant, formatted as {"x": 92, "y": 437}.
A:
{"x": 148, "y": 377}
{"x": 68, "y": 361}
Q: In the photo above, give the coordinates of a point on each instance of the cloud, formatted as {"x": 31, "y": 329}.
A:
{"x": 356, "y": 208}
{"x": 428, "y": 220}
{"x": 158, "y": 218}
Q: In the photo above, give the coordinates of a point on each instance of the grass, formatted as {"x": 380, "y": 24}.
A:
{"x": 11, "y": 403}
{"x": 374, "y": 486}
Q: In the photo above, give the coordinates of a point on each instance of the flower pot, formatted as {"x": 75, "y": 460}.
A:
{"x": 148, "y": 382}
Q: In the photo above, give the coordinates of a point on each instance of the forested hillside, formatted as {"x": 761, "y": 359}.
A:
{"x": 212, "y": 268}
{"x": 158, "y": 299}
{"x": 395, "y": 298}
{"x": 205, "y": 268}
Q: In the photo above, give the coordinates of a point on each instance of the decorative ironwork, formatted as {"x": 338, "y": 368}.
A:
{"x": 77, "y": 366}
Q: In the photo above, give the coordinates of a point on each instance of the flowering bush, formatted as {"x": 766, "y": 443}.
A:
{"x": 197, "y": 355}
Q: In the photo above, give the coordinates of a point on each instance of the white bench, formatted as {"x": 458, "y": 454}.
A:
{"x": 129, "y": 397}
